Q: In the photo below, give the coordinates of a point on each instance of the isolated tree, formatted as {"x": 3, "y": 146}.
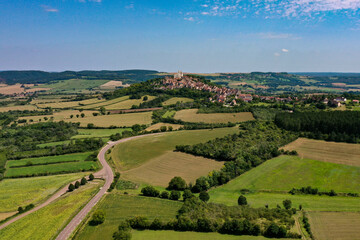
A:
{"x": 145, "y": 98}
{"x": 20, "y": 210}
{"x": 242, "y": 200}
{"x": 204, "y": 196}
{"x": 170, "y": 128}
{"x": 102, "y": 110}
{"x": 71, "y": 187}
{"x": 163, "y": 128}
{"x": 91, "y": 177}
{"x": 83, "y": 181}
{"x": 82, "y": 115}
{"x": 71, "y": 116}
{"x": 287, "y": 204}
{"x": 175, "y": 195}
{"x": 46, "y": 118}
{"x": 95, "y": 114}
{"x": 77, "y": 184}
{"x": 177, "y": 183}
{"x": 77, "y": 115}
{"x": 98, "y": 218}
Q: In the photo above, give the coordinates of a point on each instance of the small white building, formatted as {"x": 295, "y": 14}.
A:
{"x": 179, "y": 75}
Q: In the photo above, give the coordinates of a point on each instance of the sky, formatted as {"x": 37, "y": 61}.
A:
{"x": 203, "y": 36}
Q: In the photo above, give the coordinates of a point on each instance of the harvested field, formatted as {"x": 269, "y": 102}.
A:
{"x": 118, "y": 120}
{"x": 71, "y": 104}
{"x": 114, "y": 84}
{"x": 104, "y": 103}
{"x": 31, "y": 90}
{"x": 11, "y": 89}
{"x": 159, "y": 125}
{"x": 20, "y": 108}
{"x": 159, "y": 171}
{"x": 99, "y": 133}
{"x": 128, "y": 103}
{"x": 335, "y": 225}
{"x": 5, "y": 215}
{"x": 190, "y": 115}
{"x": 342, "y": 153}
{"x": 62, "y": 115}
{"x": 176, "y": 100}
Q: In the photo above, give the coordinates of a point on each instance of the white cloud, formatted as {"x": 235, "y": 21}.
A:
{"x": 190, "y": 19}
{"x": 49, "y": 9}
{"x": 285, "y": 50}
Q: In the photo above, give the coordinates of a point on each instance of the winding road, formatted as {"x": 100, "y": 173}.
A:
{"x": 105, "y": 173}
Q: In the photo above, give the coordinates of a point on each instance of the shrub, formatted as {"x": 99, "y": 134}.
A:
{"x": 242, "y": 200}
{"x": 123, "y": 226}
{"x": 287, "y": 204}
{"x": 274, "y": 231}
{"x": 77, "y": 184}
{"x": 163, "y": 128}
{"x": 187, "y": 194}
{"x": 177, "y": 183}
{"x": 164, "y": 195}
{"x": 150, "y": 191}
{"x": 71, "y": 187}
{"x": 20, "y": 210}
{"x": 138, "y": 222}
{"x": 156, "y": 224}
{"x": 83, "y": 181}
{"x": 204, "y": 196}
{"x": 175, "y": 195}
{"x": 122, "y": 235}
{"x": 91, "y": 177}
{"x": 97, "y": 218}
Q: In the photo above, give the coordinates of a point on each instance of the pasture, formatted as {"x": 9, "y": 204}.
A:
{"x": 50, "y": 165}
{"x": 342, "y": 153}
{"x": 23, "y": 191}
{"x": 160, "y": 170}
{"x": 191, "y": 115}
{"x": 119, "y": 207}
{"x": 98, "y": 133}
{"x": 74, "y": 85}
{"x": 286, "y": 172}
{"x": 335, "y": 225}
{"x": 47, "y": 222}
{"x": 118, "y": 120}
{"x": 127, "y": 156}
{"x": 167, "y": 125}
{"x": 169, "y": 114}
{"x": 175, "y": 100}
{"x": 127, "y": 104}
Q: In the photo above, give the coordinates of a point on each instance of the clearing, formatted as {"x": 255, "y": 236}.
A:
{"x": 335, "y": 225}
{"x": 342, "y": 153}
{"x": 191, "y": 115}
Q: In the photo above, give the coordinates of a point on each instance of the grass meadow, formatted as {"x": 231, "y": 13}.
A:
{"x": 175, "y": 100}
{"x": 98, "y": 133}
{"x": 342, "y": 153}
{"x": 335, "y": 225}
{"x": 286, "y": 172}
{"x": 50, "y": 165}
{"x": 119, "y": 207}
{"x": 47, "y": 222}
{"x": 127, "y": 156}
{"x": 74, "y": 85}
{"x": 191, "y": 115}
{"x": 23, "y": 191}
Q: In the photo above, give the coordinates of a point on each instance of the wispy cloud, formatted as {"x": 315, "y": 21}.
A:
{"x": 49, "y": 9}
{"x": 190, "y": 19}
{"x": 98, "y": 1}
{"x": 271, "y": 35}
{"x": 285, "y": 50}
{"x": 130, "y": 6}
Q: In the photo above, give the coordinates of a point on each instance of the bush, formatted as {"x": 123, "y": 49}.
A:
{"x": 187, "y": 194}
{"x": 242, "y": 200}
{"x": 83, "y": 181}
{"x": 165, "y": 195}
{"x": 77, "y": 184}
{"x": 122, "y": 235}
{"x": 20, "y": 210}
{"x": 274, "y": 231}
{"x": 123, "y": 226}
{"x": 175, "y": 195}
{"x": 71, "y": 187}
{"x": 156, "y": 224}
{"x": 150, "y": 191}
{"x": 139, "y": 223}
{"x": 97, "y": 218}
{"x": 204, "y": 196}
{"x": 91, "y": 177}
{"x": 287, "y": 204}
{"x": 177, "y": 183}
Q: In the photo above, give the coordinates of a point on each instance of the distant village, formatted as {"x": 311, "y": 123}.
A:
{"x": 229, "y": 95}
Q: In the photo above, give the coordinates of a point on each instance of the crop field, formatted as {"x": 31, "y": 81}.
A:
{"x": 62, "y": 116}
{"x": 160, "y": 170}
{"x": 114, "y": 84}
{"x": 50, "y": 165}
{"x": 23, "y": 191}
{"x": 71, "y": 104}
{"x": 127, "y": 104}
{"x": 286, "y": 172}
{"x": 170, "y": 113}
{"x": 118, "y": 120}
{"x": 190, "y": 115}
{"x": 74, "y": 85}
{"x": 119, "y": 207}
{"x": 172, "y": 235}
{"x": 48, "y": 221}
{"x": 175, "y": 100}
{"x": 98, "y": 133}
{"x": 167, "y": 125}
{"x": 20, "y": 108}
{"x": 105, "y": 103}
{"x": 126, "y": 155}
{"x": 342, "y": 153}
{"x": 335, "y": 225}
{"x": 11, "y": 89}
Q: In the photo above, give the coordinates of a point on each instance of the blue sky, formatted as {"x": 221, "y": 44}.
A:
{"x": 191, "y": 35}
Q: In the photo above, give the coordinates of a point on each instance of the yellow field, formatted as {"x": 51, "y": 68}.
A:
{"x": 190, "y": 115}
{"x": 11, "y": 89}
{"x": 159, "y": 125}
{"x": 128, "y": 103}
{"x": 63, "y": 115}
{"x": 20, "y": 108}
{"x": 342, "y": 153}
{"x": 104, "y": 103}
{"x": 71, "y": 104}
{"x": 114, "y": 84}
{"x": 177, "y": 99}
{"x": 119, "y": 120}
{"x": 335, "y": 225}
{"x": 160, "y": 170}
{"x": 6, "y": 215}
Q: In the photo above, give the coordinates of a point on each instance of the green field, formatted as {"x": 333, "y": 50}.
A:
{"x": 169, "y": 114}
{"x": 48, "y": 221}
{"x": 191, "y": 115}
{"x": 105, "y": 103}
{"x": 74, "y": 85}
{"x": 21, "y": 192}
{"x": 172, "y": 235}
{"x": 176, "y": 100}
{"x": 50, "y": 165}
{"x": 128, "y": 103}
{"x": 127, "y": 155}
{"x": 120, "y": 207}
{"x": 51, "y": 144}
{"x": 98, "y": 133}
{"x": 286, "y": 172}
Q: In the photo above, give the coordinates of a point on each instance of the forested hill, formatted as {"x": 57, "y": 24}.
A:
{"x": 127, "y": 76}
